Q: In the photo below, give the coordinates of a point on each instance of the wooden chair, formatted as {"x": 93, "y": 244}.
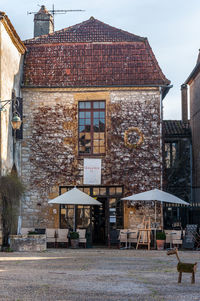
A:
{"x": 62, "y": 236}
{"x": 51, "y": 236}
{"x": 82, "y": 236}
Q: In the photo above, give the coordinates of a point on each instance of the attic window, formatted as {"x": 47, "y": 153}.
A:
{"x": 91, "y": 127}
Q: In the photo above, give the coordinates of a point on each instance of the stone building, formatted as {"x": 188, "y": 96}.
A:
{"x": 92, "y": 94}
{"x": 11, "y": 63}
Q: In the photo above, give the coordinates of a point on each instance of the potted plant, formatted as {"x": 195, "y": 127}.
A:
{"x": 74, "y": 238}
{"x": 160, "y": 240}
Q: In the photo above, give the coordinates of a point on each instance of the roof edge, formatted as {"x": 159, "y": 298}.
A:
{"x": 193, "y": 74}
{"x": 12, "y": 32}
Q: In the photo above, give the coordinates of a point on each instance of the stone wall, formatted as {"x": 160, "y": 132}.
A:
{"x": 28, "y": 243}
{"x": 50, "y": 149}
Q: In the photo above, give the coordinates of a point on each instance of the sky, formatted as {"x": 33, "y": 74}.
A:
{"x": 172, "y": 28}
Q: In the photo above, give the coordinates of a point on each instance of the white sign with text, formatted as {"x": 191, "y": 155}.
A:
{"x": 92, "y": 172}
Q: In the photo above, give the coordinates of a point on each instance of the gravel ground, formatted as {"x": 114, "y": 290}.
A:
{"x": 95, "y": 275}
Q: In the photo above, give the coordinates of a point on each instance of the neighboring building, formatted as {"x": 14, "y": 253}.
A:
{"x": 11, "y": 67}
{"x": 193, "y": 82}
{"x": 194, "y": 90}
{"x": 11, "y": 63}
{"x": 91, "y": 91}
{"x": 177, "y": 177}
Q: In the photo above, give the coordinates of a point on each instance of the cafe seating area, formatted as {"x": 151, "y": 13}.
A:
{"x": 127, "y": 238}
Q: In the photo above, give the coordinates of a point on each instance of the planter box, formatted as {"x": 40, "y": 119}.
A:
{"x": 28, "y": 243}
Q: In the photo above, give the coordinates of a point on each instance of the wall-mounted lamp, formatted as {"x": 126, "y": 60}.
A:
{"x": 16, "y": 120}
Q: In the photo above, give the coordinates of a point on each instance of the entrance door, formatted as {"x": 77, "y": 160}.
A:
{"x": 99, "y": 222}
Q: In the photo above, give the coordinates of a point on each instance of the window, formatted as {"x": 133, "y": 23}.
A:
{"x": 91, "y": 127}
{"x": 171, "y": 154}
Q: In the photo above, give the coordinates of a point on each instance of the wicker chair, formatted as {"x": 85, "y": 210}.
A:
{"x": 82, "y": 236}
{"x": 51, "y": 236}
{"x": 62, "y": 236}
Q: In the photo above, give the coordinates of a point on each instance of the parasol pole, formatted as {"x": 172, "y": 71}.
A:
{"x": 155, "y": 226}
{"x": 74, "y": 218}
{"x": 162, "y": 222}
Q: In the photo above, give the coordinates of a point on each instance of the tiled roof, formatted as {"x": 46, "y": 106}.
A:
{"x": 172, "y": 128}
{"x": 91, "y": 54}
{"x": 88, "y": 31}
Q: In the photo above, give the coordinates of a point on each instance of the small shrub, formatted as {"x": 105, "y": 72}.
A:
{"x": 74, "y": 235}
{"x": 160, "y": 236}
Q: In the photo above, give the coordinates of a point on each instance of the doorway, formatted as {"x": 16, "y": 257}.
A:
{"x": 97, "y": 220}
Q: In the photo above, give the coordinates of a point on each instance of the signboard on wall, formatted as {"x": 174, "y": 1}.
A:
{"x": 92, "y": 172}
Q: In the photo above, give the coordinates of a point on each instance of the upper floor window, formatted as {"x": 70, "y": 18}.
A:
{"x": 171, "y": 154}
{"x": 91, "y": 127}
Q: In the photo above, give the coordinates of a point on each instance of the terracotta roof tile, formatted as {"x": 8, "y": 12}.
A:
{"x": 91, "y": 54}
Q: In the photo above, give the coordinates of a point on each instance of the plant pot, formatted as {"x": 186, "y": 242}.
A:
{"x": 160, "y": 244}
{"x": 74, "y": 243}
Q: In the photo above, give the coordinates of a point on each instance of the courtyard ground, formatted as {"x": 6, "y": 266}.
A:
{"x": 95, "y": 275}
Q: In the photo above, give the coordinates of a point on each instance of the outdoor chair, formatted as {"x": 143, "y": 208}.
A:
{"x": 51, "y": 236}
{"x": 123, "y": 237}
{"x": 62, "y": 236}
{"x": 82, "y": 236}
{"x": 132, "y": 236}
{"x": 177, "y": 238}
{"x": 173, "y": 237}
{"x": 113, "y": 238}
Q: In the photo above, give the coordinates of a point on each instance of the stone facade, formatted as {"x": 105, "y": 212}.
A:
{"x": 50, "y": 154}
{"x": 91, "y": 61}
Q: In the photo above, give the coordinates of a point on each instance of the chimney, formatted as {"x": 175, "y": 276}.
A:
{"x": 184, "y": 103}
{"x": 43, "y": 22}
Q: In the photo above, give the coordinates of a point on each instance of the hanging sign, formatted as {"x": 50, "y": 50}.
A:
{"x": 92, "y": 172}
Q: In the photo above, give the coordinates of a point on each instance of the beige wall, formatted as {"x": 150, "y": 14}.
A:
{"x": 50, "y": 154}
{"x": 10, "y": 77}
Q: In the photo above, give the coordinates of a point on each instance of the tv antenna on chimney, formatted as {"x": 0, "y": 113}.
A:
{"x": 57, "y": 11}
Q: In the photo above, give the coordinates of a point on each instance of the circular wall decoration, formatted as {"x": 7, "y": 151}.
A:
{"x": 126, "y": 137}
